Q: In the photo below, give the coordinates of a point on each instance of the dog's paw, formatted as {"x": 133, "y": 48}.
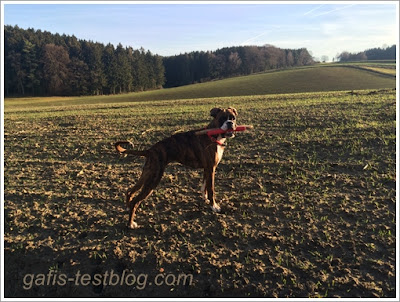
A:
{"x": 216, "y": 208}
{"x": 133, "y": 225}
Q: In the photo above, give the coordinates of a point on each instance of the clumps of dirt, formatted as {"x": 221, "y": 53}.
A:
{"x": 308, "y": 204}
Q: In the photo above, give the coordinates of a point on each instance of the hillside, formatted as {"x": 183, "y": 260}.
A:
{"x": 304, "y": 79}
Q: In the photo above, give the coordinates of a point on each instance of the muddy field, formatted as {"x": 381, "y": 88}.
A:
{"x": 308, "y": 201}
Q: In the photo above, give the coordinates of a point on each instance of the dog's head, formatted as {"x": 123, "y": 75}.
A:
{"x": 224, "y": 119}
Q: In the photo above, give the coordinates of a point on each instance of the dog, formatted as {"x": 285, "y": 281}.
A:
{"x": 187, "y": 148}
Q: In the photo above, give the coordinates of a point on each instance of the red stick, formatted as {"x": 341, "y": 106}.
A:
{"x": 216, "y": 131}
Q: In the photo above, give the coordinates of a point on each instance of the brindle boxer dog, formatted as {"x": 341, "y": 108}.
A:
{"x": 187, "y": 148}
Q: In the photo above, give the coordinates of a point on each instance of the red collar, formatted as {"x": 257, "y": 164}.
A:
{"x": 214, "y": 140}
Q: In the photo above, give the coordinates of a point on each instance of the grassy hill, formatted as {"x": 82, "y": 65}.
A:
{"x": 328, "y": 77}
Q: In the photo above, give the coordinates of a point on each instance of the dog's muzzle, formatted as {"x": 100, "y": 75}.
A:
{"x": 229, "y": 125}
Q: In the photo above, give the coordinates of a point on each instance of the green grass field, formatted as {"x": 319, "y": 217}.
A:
{"x": 308, "y": 197}
{"x": 328, "y": 77}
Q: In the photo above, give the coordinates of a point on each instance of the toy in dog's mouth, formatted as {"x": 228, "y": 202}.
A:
{"x": 224, "y": 133}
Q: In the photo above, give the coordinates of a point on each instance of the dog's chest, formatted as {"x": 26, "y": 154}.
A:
{"x": 220, "y": 151}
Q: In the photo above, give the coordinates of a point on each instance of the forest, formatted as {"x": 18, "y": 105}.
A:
{"x": 384, "y": 53}
{"x": 39, "y": 63}
{"x": 227, "y": 62}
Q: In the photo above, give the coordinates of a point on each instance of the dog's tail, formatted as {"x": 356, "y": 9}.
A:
{"x": 122, "y": 150}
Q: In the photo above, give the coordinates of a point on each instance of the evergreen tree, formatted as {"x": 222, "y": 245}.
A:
{"x": 30, "y": 65}
{"x": 139, "y": 70}
{"x": 92, "y": 54}
{"x": 159, "y": 72}
{"x": 55, "y": 67}
{"x": 111, "y": 69}
{"x": 123, "y": 72}
{"x": 78, "y": 77}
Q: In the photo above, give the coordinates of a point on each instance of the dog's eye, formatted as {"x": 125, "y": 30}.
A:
{"x": 232, "y": 117}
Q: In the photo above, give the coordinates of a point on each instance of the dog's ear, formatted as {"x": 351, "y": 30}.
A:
{"x": 234, "y": 110}
{"x": 214, "y": 112}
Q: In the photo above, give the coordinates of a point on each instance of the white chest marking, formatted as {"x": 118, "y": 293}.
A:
{"x": 220, "y": 150}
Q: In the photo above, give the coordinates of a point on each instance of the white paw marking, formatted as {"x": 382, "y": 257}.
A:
{"x": 133, "y": 225}
{"x": 216, "y": 208}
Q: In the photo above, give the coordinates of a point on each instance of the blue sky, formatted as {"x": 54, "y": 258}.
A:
{"x": 167, "y": 29}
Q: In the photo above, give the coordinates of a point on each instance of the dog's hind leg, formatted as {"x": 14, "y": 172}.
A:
{"x": 131, "y": 192}
{"x": 134, "y": 204}
{"x": 151, "y": 176}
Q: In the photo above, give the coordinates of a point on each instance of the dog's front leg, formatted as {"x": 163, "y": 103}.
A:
{"x": 209, "y": 177}
{"x": 204, "y": 186}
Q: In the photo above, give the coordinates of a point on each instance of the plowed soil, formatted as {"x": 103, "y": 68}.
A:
{"x": 308, "y": 201}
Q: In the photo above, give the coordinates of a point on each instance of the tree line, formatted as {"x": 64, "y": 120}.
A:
{"x": 203, "y": 66}
{"x": 41, "y": 63}
{"x": 385, "y": 53}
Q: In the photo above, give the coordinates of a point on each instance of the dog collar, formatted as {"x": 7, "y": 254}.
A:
{"x": 214, "y": 140}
